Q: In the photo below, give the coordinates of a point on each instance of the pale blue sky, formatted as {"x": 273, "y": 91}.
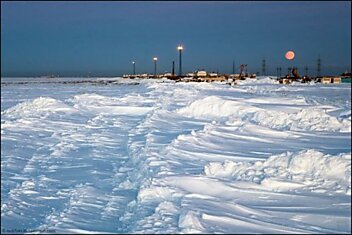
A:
{"x": 103, "y": 38}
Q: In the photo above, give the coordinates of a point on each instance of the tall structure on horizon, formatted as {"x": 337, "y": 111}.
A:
{"x": 233, "y": 67}
{"x": 318, "y": 66}
{"x": 155, "y": 60}
{"x": 180, "y": 48}
{"x": 134, "y": 67}
{"x": 173, "y": 68}
{"x": 264, "y": 67}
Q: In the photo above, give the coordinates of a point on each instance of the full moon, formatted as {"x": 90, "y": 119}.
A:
{"x": 290, "y": 55}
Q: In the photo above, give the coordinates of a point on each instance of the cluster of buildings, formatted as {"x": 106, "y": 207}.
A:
{"x": 197, "y": 76}
{"x": 293, "y": 76}
{"x": 204, "y": 76}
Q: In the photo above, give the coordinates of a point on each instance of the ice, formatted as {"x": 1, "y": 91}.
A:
{"x": 154, "y": 156}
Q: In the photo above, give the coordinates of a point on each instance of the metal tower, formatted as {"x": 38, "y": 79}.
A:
{"x": 233, "y": 67}
{"x": 318, "y": 66}
{"x": 263, "y": 67}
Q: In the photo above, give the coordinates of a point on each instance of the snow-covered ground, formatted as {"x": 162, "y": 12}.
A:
{"x": 165, "y": 157}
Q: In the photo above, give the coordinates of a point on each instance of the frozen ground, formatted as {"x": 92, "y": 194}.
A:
{"x": 164, "y": 157}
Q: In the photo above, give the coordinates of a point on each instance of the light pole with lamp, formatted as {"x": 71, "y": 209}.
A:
{"x": 155, "y": 60}
{"x": 180, "y": 48}
{"x": 134, "y": 67}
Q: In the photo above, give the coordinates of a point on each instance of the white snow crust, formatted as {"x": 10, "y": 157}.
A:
{"x": 155, "y": 156}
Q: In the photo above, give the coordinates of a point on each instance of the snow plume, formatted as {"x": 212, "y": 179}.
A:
{"x": 309, "y": 169}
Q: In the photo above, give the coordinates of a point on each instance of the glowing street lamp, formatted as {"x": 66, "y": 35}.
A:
{"x": 180, "y": 48}
{"x": 134, "y": 67}
{"x": 155, "y": 60}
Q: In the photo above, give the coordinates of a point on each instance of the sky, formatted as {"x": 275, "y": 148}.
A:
{"x": 103, "y": 38}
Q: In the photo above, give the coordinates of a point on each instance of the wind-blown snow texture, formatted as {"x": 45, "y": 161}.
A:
{"x": 165, "y": 157}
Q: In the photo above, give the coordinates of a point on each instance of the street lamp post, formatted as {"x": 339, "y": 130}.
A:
{"x": 173, "y": 68}
{"x": 180, "y": 48}
{"x": 134, "y": 67}
{"x": 155, "y": 60}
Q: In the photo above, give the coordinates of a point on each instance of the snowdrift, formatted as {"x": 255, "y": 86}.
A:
{"x": 309, "y": 169}
{"x": 306, "y": 119}
{"x": 147, "y": 156}
{"x": 38, "y": 106}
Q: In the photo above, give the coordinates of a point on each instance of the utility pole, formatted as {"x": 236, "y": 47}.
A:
{"x": 173, "y": 68}
{"x": 233, "y": 67}
{"x": 306, "y": 70}
{"x": 264, "y": 67}
{"x": 318, "y": 66}
{"x": 289, "y": 71}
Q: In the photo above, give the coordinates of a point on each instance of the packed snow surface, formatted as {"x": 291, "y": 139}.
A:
{"x": 155, "y": 156}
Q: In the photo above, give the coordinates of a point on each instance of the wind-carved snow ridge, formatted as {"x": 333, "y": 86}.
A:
{"x": 107, "y": 105}
{"x": 154, "y": 202}
{"x": 38, "y": 106}
{"x": 158, "y": 157}
{"x": 309, "y": 118}
{"x": 308, "y": 169}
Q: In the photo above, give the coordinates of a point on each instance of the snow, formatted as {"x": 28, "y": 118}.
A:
{"x": 304, "y": 119}
{"x": 307, "y": 169}
{"x": 155, "y": 156}
{"x": 38, "y": 106}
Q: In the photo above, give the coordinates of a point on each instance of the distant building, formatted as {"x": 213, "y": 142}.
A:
{"x": 201, "y": 73}
{"x": 337, "y": 80}
{"x": 326, "y": 80}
